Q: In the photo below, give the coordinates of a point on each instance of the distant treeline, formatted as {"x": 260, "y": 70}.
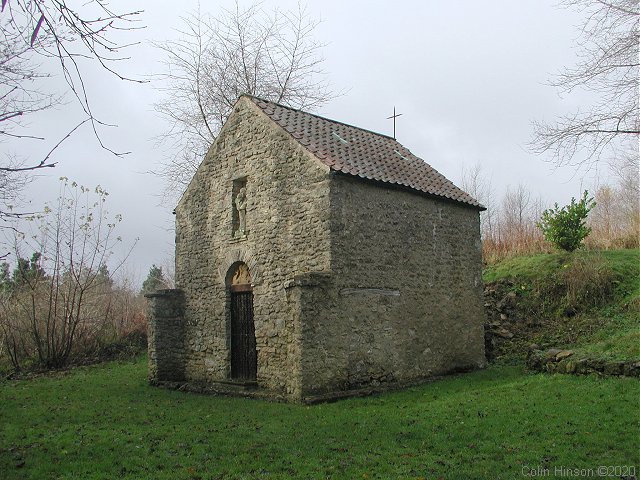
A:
{"x": 509, "y": 225}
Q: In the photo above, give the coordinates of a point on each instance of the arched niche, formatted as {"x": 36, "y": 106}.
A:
{"x": 229, "y": 264}
{"x": 239, "y": 277}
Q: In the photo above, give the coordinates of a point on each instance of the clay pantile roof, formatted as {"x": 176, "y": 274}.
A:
{"x": 355, "y": 151}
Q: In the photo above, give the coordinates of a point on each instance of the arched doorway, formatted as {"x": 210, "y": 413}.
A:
{"x": 244, "y": 364}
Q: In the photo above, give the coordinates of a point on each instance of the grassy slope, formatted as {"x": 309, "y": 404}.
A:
{"x": 106, "y": 422}
{"x": 611, "y": 331}
{"x": 625, "y": 263}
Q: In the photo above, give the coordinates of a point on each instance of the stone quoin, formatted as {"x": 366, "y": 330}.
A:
{"x": 316, "y": 260}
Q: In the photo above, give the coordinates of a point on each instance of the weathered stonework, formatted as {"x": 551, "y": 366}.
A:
{"x": 404, "y": 301}
{"x": 166, "y": 336}
{"x": 287, "y": 205}
{"x": 563, "y": 361}
{"x": 356, "y": 284}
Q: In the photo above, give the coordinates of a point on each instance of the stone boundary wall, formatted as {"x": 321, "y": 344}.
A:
{"x": 563, "y": 361}
{"x": 165, "y": 333}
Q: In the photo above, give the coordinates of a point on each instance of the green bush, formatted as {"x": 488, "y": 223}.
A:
{"x": 566, "y": 227}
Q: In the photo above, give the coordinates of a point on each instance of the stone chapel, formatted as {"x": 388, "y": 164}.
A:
{"x": 316, "y": 260}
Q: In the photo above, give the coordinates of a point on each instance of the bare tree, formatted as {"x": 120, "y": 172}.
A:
{"x": 34, "y": 35}
{"x": 476, "y": 184}
{"x": 609, "y": 67}
{"x": 626, "y": 169}
{"x": 515, "y": 207}
{"x": 18, "y": 74}
{"x": 602, "y": 218}
{"x": 515, "y": 226}
{"x": 616, "y": 217}
{"x": 269, "y": 55}
{"x": 55, "y": 300}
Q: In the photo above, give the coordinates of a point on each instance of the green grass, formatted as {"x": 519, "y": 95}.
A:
{"x": 525, "y": 267}
{"x": 605, "y": 316}
{"x": 105, "y": 422}
{"x": 624, "y": 263}
{"x": 617, "y": 339}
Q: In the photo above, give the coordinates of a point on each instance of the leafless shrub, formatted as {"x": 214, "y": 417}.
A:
{"x": 57, "y": 303}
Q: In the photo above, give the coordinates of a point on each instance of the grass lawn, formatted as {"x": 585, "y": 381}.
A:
{"x": 625, "y": 263}
{"x": 105, "y": 422}
{"x": 608, "y": 331}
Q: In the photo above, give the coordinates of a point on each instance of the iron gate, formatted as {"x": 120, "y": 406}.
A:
{"x": 244, "y": 363}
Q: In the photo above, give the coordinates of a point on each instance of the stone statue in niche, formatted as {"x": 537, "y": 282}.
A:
{"x": 241, "y": 207}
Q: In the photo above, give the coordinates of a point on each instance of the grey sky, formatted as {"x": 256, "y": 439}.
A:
{"x": 468, "y": 77}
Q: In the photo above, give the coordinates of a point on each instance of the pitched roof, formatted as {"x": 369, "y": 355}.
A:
{"x": 355, "y": 151}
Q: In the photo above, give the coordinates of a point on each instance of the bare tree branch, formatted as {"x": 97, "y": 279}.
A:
{"x": 269, "y": 55}
{"x": 609, "y": 66}
{"x": 32, "y": 34}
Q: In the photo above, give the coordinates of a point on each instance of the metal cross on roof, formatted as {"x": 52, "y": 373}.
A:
{"x": 394, "y": 116}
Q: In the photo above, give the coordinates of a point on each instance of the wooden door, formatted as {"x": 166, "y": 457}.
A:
{"x": 244, "y": 364}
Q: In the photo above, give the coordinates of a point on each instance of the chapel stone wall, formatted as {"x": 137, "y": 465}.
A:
{"x": 287, "y": 234}
{"x": 404, "y": 301}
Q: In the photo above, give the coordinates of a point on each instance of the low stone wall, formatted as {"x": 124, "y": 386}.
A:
{"x": 555, "y": 360}
{"x": 502, "y": 320}
{"x": 165, "y": 334}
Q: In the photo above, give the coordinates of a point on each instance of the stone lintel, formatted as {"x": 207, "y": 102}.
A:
{"x": 370, "y": 291}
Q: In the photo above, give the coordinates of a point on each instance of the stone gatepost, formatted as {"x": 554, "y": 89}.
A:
{"x": 165, "y": 333}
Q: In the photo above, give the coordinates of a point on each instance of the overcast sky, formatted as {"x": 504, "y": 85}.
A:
{"x": 467, "y": 76}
